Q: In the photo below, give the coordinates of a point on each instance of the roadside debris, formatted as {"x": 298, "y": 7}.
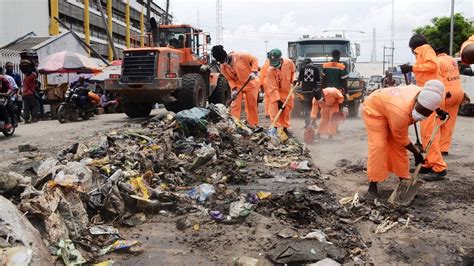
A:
{"x": 25, "y": 147}
{"x": 196, "y": 168}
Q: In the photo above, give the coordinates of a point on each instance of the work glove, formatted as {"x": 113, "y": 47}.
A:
{"x": 234, "y": 94}
{"x": 280, "y": 105}
{"x": 253, "y": 75}
{"x": 442, "y": 114}
{"x": 406, "y": 68}
{"x": 418, "y": 158}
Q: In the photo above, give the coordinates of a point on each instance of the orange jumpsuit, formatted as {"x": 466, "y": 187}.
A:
{"x": 263, "y": 76}
{"x": 315, "y": 109}
{"x": 237, "y": 73}
{"x": 452, "y": 81}
{"x": 387, "y": 116}
{"x": 279, "y": 82}
{"x": 332, "y": 98}
{"x": 426, "y": 68}
{"x": 464, "y": 45}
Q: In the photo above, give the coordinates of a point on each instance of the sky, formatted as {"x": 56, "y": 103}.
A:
{"x": 248, "y": 24}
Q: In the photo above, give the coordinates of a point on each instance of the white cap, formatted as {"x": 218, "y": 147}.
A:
{"x": 431, "y": 95}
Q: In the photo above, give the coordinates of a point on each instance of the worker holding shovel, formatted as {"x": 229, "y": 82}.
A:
{"x": 241, "y": 70}
{"x": 387, "y": 114}
{"x": 280, "y": 77}
{"x": 427, "y": 68}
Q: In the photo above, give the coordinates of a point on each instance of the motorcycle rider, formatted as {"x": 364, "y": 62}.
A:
{"x": 7, "y": 111}
{"x": 82, "y": 92}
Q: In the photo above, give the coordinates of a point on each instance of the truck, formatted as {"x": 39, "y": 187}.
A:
{"x": 319, "y": 49}
{"x": 174, "y": 69}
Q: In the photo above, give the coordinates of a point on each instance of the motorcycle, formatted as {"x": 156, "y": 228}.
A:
{"x": 5, "y": 131}
{"x": 71, "y": 110}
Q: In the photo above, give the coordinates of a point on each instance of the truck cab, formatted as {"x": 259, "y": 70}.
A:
{"x": 319, "y": 49}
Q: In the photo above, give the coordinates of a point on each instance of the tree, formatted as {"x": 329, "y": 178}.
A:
{"x": 438, "y": 33}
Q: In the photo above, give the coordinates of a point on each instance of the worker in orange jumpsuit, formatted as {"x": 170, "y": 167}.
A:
{"x": 237, "y": 68}
{"x": 263, "y": 76}
{"x": 280, "y": 77}
{"x": 467, "y": 51}
{"x": 454, "y": 96}
{"x": 427, "y": 68}
{"x": 329, "y": 106}
{"x": 387, "y": 114}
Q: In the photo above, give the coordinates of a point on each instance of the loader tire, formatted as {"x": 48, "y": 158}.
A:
{"x": 136, "y": 110}
{"x": 191, "y": 94}
{"x": 221, "y": 93}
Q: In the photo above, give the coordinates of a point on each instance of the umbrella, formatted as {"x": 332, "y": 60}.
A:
{"x": 67, "y": 62}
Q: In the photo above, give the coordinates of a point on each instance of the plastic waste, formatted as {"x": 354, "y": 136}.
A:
{"x": 193, "y": 121}
{"x": 12, "y": 180}
{"x": 263, "y": 195}
{"x": 46, "y": 167}
{"x": 315, "y": 188}
{"x": 69, "y": 253}
{"x": 203, "y": 155}
{"x": 131, "y": 246}
{"x": 300, "y": 166}
{"x": 105, "y": 263}
{"x": 316, "y": 234}
{"x": 103, "y": 230}
{"x": 16, "y": 256}
{"x": 140, "y": 187}
{"x": 240, "y": 209}
{"x": 201, "y": 192}
{"x": 216, "y": 215}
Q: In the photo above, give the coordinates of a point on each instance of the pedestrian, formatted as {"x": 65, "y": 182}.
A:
{"x": 467, "y": 51}
{"x": 329, "y": 106}
{"x": 387, "y": 115}
{"x": 388, "y": 80}
{"x": 263, "y": 76}
{"x": 309, "y": 77}
{"x": 335, "y": 73}
{"x": 426, "y": 68}
{"x": 31, "y": 105}
{"x": 17, "y": 95}
{"x": 451, "y": 79}
{"x": 280, "y": 78}
{"x": 237, "y": 68}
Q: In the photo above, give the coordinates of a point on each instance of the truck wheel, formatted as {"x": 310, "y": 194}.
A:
{"x": 192, "y": 94}
{"x": 221, "y": 93}
{"x": 353, "y": 108}
{"x": 136, "y": 110}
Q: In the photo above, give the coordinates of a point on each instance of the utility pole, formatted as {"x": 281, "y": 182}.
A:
{"x": 219, "y": 23}
{"x": 385, "y": 55}
{"x": 393, "y": 31}
{"x": 167, "y": 12}
{"x": 266, "y": 46}
{"x": 451, "y": 29}
{"x": 373, "y": 57}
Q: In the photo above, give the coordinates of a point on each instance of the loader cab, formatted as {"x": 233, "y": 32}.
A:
{"x": 191, "y": 41}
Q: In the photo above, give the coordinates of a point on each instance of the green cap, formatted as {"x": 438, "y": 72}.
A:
{"x": 274, "y": 56}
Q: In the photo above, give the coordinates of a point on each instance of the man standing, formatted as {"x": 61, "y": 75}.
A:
{"x": 29, "y": 99}
{"x": 237, "y": 68}
{"x": 426, "y": 68}
{"x": 280, "y": 77}
{"x": 335, "y": 73}
{"x": 18, "y": 100}
{"x": 308, "y": 78}
{"x": 454, "y": 96}
{"x": 388, "y": 80}
{"x": 6, "y": 90}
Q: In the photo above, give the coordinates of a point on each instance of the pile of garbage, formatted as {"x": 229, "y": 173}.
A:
{"x": 200, "y": 166}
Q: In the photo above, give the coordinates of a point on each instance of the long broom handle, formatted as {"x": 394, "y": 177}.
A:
{"x": 281, "y": 109}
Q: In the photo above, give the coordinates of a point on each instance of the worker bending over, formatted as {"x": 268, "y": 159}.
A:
{"x": 387, "y": 114}
{"x": 329, "y": 105}
{"x": 280, "y": 77}
{"x": 426, "y": 68}
{"x": 237, "y": 68}
{"x": 451, "y": 79}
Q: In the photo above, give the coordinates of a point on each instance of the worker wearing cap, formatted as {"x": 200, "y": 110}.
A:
{"x": 451, "y": 79}
{"x": 237, "y": 68}
{"x": 335, "y": 73}
{"x": 280, "y": 77}
{"x": 263, "y": 76}
{"x": 467, "y": 51}
{"x": 387, "y": 114}
{"x": 427, "y": 68}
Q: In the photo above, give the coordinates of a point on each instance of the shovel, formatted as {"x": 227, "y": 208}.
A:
{"x": 272, "y": 132}
{"x": 418, "y": 144}
{"x": 406, "y": 190}
{"x": 240, "y": 90}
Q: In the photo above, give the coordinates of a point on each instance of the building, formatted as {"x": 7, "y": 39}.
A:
{"x": 36, "y": 16}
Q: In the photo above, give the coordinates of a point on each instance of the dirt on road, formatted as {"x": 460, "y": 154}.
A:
{"x": 439, "y": 230}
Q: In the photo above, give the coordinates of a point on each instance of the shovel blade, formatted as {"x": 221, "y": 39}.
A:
{"x": 405, "y": 192}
